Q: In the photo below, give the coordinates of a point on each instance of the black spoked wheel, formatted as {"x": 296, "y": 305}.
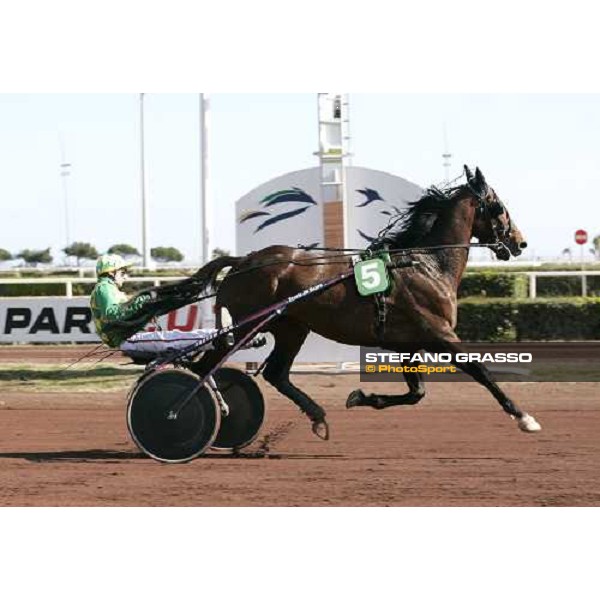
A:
{"x": 246, "y": 409}
{"x": 163, "y": 428}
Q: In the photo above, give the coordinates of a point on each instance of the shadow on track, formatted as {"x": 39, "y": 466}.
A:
{"x": 116, "y": 456}
{"x": 75, "y": 455}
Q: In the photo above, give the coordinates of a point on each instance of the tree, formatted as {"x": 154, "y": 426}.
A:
{"x": 4, "y": 255}
{"x": 217, "y": 252}
{"x": 81, "y": 250}
{"x": 596, "y": 243}
{"x": 124, "y": 250}
{"x": 36, "y": 257}
{"x": 166, "y": 254}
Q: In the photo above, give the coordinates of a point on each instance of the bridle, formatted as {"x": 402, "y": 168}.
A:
{"x": 490, "y": 210}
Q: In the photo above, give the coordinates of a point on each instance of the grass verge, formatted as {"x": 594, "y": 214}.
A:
{"x": 55, "y": 378}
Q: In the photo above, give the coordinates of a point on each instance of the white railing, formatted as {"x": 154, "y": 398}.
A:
{"x": 69, "y": 281}
{"x": 533, "y": 275}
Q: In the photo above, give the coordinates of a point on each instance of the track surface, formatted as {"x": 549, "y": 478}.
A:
{"x": 456, "y": 448}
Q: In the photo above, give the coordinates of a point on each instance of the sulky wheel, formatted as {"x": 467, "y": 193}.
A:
{"x": 164, "y": 424}
{"x": 246, "y": 409}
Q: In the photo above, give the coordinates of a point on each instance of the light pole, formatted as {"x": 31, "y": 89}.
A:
{"x": 65, "y": 171}
{"x": 202, "y": 110}
{"x": 145, "y": 248}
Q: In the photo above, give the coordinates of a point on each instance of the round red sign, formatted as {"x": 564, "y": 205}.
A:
{"x": 581, "y": 236}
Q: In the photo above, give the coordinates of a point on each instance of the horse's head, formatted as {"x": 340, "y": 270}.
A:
{"x": 493, "y": 224}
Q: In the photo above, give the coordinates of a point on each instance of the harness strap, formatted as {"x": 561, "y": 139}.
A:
{"x": 381, "y": 307}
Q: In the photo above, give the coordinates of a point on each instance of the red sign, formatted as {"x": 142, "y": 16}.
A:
{"x": 581, "y": 236}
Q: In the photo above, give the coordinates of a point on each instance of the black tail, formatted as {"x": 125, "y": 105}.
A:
{"x": 174, "y": 295}
{"x": 205, "y": 276}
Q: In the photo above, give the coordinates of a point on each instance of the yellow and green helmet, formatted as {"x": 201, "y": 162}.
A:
{"x": 110, "y": 263}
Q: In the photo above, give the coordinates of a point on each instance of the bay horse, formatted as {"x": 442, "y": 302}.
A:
{"x": 421, "y": 307}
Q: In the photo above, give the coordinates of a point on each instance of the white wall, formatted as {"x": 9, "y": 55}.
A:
{"x": 307, "y": 228}
{"x": 394, "y": 191}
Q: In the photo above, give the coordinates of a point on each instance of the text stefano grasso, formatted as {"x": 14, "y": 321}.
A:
{"x": 446, "y": 357}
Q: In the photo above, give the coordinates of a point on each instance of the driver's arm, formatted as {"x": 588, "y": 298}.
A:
{"x": 126, "y": 310}
{"x": 113, "y": 305}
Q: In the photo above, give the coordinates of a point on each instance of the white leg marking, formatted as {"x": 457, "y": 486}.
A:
{"x": 528, "y": 424}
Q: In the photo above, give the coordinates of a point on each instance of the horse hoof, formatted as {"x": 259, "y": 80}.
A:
{"x": 356, "y": 398}
{"x": 321, "y": 429}
{"x": 528, "y": 424}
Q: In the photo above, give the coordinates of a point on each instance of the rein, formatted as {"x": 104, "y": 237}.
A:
{"x": 267, "y": 313}
{"x": 349, "y": 252}
{"x": 346, "y": 253}
{"x": 417, "y": 250}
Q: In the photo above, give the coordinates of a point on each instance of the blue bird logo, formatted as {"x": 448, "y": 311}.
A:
{"x": 371, "y": 196}
{"x": 280, "y": 197}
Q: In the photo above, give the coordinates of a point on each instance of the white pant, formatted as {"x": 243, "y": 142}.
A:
{"x": 155, "y": 343}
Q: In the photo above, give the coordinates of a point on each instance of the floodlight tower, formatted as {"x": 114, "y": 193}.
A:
{"x": 334, "y": 137}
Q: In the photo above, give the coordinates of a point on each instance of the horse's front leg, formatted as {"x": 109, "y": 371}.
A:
{"x": 416, "y": 392}
{"x": 480, "y": 374}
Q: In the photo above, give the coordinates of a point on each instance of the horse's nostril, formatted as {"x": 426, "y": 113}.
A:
{"x": 523, "y": 245}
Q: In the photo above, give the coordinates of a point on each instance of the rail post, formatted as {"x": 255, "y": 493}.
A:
{"x": 532, "y": 285}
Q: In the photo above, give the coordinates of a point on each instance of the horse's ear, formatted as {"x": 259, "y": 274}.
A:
{"x": 479, "y": 184}
{"x": 476, "y": 183}
{"x": 480, "y": 178}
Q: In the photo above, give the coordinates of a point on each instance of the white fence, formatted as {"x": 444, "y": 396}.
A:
{"x": 533, "y": 275}
{"x": 68, "y": 282}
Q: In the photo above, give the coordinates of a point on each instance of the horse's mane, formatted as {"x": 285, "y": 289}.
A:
{"x": 415, "y": 222}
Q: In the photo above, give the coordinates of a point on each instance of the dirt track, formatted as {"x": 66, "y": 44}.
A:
{"x": 456, "y": 448}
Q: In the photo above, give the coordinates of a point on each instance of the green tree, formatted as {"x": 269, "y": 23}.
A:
{"x": 5, "y": 255}
{"x": 36, "y": 257}
{"x": 81, "y": 250}
{"x": 217, "y": 252}
{"x": 596, "y": 243}
{"x": 124, "y": 250}
{"x": 166, "y": 254}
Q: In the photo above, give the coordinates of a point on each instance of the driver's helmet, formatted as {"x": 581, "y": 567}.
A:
{"x": 110, "y": 263}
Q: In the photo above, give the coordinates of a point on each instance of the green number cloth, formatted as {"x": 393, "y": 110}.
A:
{"x": 371, "y": 276}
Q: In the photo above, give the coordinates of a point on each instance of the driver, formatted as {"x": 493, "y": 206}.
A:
{"x": 110, "y": 304}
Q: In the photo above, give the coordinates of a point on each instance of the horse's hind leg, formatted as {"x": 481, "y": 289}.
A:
{"x": 208, "y": 360}
{"x": 480, "y": 374}
{"x": 416, "y": 391}
{"x": 289, "y": 337}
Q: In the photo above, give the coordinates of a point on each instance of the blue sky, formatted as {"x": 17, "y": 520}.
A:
{"x": 541, "y": 152}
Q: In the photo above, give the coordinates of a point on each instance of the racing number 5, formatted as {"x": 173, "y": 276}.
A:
{"x": 370, "y": 275}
